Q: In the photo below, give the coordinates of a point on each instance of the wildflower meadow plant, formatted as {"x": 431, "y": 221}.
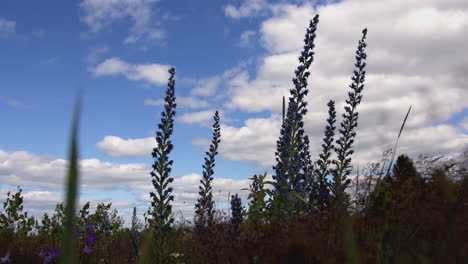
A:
{"x": 90, "y": 239}
{"x": 323, "y": 163}
{"x": 344, "y": 144}
{"x": 257, "y": 194}
{"x": 237, "y": 213}
{"x": 49, "y": 254}
{"x": 5, "y": 259}
{"x": 289, "y": 171}
{"x": 161, "y": 209}
{"x": 204, "y": 210}
{"x": 134, "y": 232}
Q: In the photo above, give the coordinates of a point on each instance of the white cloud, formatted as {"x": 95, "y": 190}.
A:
{"x": 201, "y": 141}
{"x": 248, "y": 8}
{"x": 426, "y": 20}
{"x": 7, "y": 28}
{"x": 209, "y": 86}
{"x": 246, "y": 37}
{"x": 410, "y": 62}
{"x": 154, "y": 102}
{"x": 399, "y": 74}
{"x": 285, "y": 31}
{"x": 118, "y": 147}
{"x": 255, "y": 142}
{"x": 182, "y": 102}
{"x": 206, "y": 87}
{"x": 28, "y": 170}
{"x": 98, "y": 14}
{"x": 203, "y": 118}
{"x": 153, "y": 73}
{"x": 112, "y": 66}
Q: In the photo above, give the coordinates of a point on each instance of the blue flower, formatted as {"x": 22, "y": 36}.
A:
{"x": 236, "y": 212}
{"x": 5, "y": 258}
{"x": 48, "y": 254}
{"x": 91, "y": 238}
{"x": 87, "y": 250}
{"x": 89, "y": 226}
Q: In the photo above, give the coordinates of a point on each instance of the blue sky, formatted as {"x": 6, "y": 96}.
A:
{"x": 234, "y": 56}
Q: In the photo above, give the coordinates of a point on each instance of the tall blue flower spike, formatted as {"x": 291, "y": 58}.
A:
{"x": 344, "y": 143}
{"x": 290, "y": 170}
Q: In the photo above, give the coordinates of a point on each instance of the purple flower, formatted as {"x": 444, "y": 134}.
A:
{"x": 5, "y": 258}
{"x": 236, "y": 212}
{"x": 91, "y": 238}
{"x": 87, "y": 250}
{"x": 48, "y": 254}
{"x": 89, "y": 226}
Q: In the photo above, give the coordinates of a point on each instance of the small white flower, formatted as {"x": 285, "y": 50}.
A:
{"x": 176, "y": 255}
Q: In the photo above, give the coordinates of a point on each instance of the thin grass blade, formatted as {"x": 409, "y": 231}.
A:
{"x": 396, "y": 142}
{"x": 69, "y": 243}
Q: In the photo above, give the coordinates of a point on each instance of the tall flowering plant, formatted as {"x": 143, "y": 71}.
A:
{"x": 257, "y": 203}
{"x": 321, "y": 190}
{"x": 204, "y": 210}
{"x": 237, "y": 213}
{"x": 344, "y": 143}
{"x": 135, "y": 233}
{"x": 290, "y": 176}
{"x": 161, "y": 208}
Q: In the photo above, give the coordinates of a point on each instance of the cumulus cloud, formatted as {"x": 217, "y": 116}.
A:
{"x": 209, "y": 86}
{"x": 182, "y": 102}
{"x": 98, "y": 14}
{"x": 7, "y": 28}
{"x": 118, "y": 147}
{"x": 153, "y": 73}
{"x": 248, "y": 8}
{"x": 201, "y": 141}
{"x": 203, "y": 118}
{"x": 186, "y": 192}
{"x": 206, "y": 87}
{"x": 255, "y": 142}
{"x": 48, "y": 174}
{"x": 403, "y": 69}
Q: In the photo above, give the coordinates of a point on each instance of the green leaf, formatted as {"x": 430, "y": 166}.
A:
{"x": 299, "y": 197}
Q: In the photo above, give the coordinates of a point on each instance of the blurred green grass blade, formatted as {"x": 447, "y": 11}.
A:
{"x": 69, "y": 243}
{"x": 147, "y": 246}
{"x": 399, "y": 133}
{"x": 350, "y": 244}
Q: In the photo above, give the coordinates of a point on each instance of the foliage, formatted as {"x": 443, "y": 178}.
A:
{"x": 11, "y": 219}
